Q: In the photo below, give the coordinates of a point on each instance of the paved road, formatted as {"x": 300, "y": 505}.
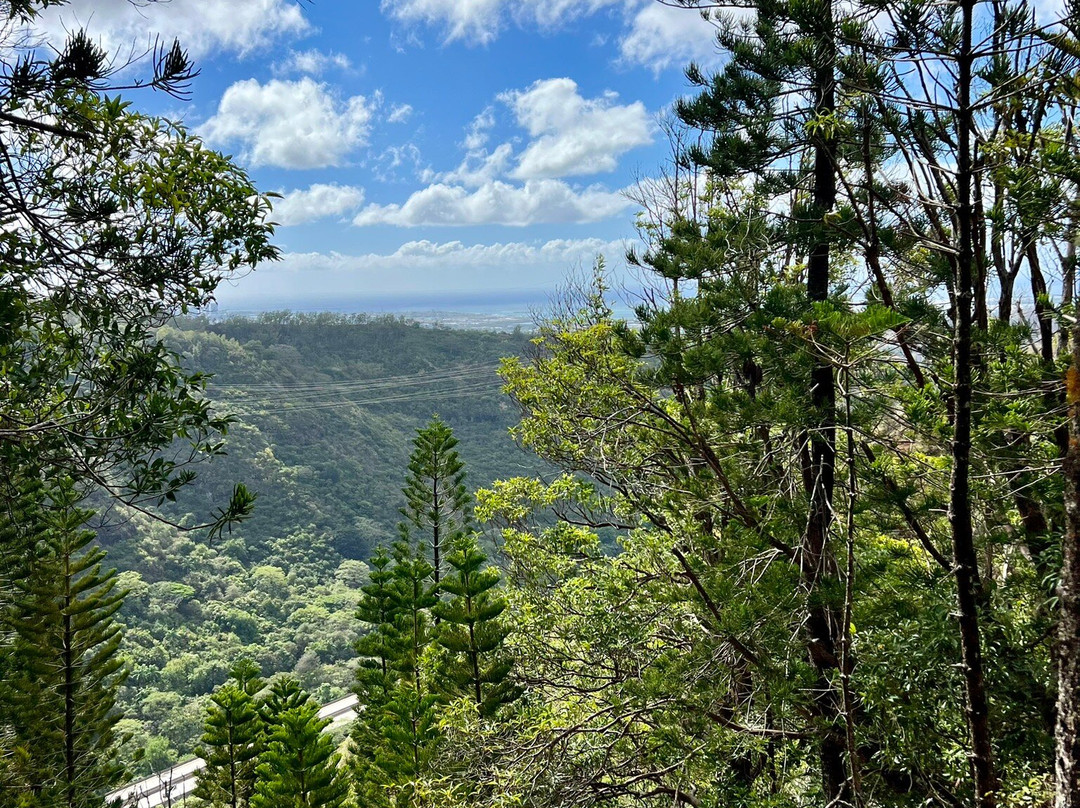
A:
{"x": 170, "y": 787}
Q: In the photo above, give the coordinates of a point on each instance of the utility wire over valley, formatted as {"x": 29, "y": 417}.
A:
{"x": 267, "y": 399}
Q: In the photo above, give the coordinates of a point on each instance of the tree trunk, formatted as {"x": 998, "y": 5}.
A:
{"x": 816, "y": 562}
{"x": 965, "y": 561}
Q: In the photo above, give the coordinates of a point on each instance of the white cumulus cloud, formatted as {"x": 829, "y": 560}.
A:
{"x": 319, "y": 201}
{"x": 574, "y": 135}
{"x": 1050, "y": 12}
{"x": 569, "y": 136}
{"x": 496, "y": 202}
{"x": 240, "y": 26}
{"x": 661, "y": 36}
{"x": 290, "y": 124}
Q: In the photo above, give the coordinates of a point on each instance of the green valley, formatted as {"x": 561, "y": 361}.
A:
{"x": 326, "y": 409}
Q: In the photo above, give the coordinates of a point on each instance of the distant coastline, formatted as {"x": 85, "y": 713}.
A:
{"x": 494, "y": 311}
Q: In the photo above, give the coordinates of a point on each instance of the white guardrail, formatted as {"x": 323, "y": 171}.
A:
{"x": 172, "y": 786}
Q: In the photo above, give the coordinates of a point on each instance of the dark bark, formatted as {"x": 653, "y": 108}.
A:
{"x": 965, "y": 561}
{"x": 1045, "y": 317}
{"x": 979, "y": 239}
{"x": 1006, "y": 271}
{"x": 1039, "y": 292}
{"x": 815, "y": 559}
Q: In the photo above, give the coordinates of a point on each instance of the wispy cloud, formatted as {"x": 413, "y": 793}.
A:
{"x": 311, "y": 62}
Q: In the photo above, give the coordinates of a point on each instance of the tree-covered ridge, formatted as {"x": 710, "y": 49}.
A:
{"x": 281, "y": 588}
{"x": 292, "y": 381}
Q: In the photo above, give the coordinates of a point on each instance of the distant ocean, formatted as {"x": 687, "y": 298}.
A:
{"x": 495, "y": 311}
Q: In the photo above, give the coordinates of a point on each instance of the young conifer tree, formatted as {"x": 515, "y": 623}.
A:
{"x": 408, "y": 727}
{"x": 412, "y": 596}
{"x": 375, "y": 677}
{"x": 436, "y": 510}
{"x": 375, "y": 673}
{"x": 299, "y": 767}
{"x": 472, "y": 632}
{"x": 63, "y": 669}
{"x": 284, "y": 694}
{"x": 410, "y": 734}
{"x": 232, "y": 740}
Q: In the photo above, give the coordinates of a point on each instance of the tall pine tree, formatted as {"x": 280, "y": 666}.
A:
{"x": 375, "y": 677}
{"x": 396, "y": 730}
{"x": 408, "y": 727}
{"x": 374, "y": 673}
{"x": 412, "y": 596}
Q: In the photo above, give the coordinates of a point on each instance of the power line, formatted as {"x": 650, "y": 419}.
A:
{"x": 345, "y": 384}
{"x": 270, "y": 399}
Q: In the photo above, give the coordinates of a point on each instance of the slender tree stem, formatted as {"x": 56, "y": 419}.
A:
{"x": 965, "y": 561}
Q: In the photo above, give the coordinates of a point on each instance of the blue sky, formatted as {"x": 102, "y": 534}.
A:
{"x": 425, "y": 147}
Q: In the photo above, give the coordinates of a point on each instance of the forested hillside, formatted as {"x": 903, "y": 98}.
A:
{"x": 326, "y": 409}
